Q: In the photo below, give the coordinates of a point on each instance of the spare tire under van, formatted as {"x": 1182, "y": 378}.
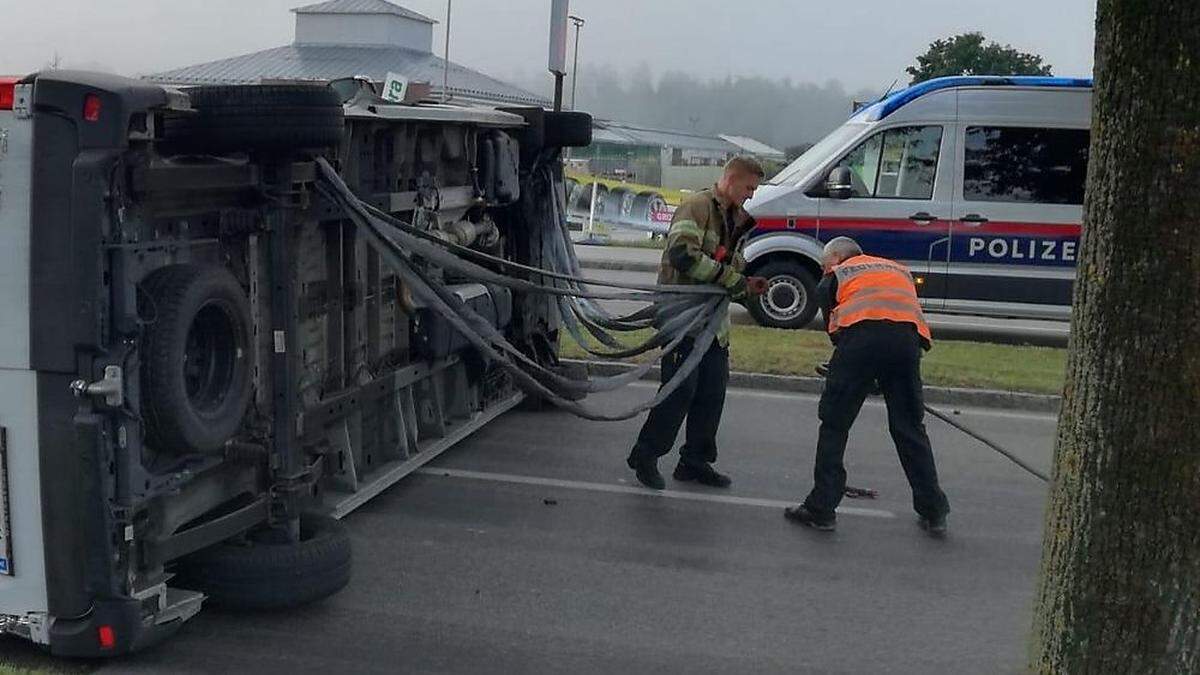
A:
{"x": 195, "y": 357}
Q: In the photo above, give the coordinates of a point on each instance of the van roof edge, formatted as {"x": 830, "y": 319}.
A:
{"x": 893, "y": 102}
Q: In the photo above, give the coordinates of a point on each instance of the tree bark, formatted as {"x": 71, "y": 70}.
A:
{"x": 1119, "y": 590}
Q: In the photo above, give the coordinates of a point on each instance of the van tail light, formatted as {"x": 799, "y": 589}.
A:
{"x": 107, "y": 637}
{"x": 91, "y": 107}
{"x": 8, "y": 87}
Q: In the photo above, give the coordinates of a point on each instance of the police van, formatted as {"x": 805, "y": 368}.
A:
{"x": 975, "y": 183}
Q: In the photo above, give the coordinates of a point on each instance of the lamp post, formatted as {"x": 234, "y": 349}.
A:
{"x": 575, "y": 68}
{"x": 446, "y": 60}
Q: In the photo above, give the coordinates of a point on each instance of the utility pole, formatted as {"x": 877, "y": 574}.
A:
{"x": 446, "y": 59}
{"x": 559, "y": 11}
{"x": 575, "y": 68}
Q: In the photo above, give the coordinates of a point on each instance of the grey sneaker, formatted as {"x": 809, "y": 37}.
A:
{"x": 935, "y": 527}
{"x": 801, "y": 514}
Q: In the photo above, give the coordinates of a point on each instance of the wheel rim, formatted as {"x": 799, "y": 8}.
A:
{"x": 210, "y": 358}
{"x": 785, "y": 298}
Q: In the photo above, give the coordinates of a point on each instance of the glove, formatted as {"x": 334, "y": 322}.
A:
{"x": 732, "y": 281}
{"x": 756, "y": 285}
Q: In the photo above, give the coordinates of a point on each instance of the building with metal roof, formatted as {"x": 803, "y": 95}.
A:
{"x": 666, "y": 157}
{"x": 367, "y": 38}
{"x": 698, "y": 145}
{"x": 751, "y": 146}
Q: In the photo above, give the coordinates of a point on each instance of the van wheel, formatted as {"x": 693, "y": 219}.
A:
{"x": 791, "y": 297}
{"x": 255, "y": 118}
{"x": 195, "y": 352}
{"x": 268, "y": 572}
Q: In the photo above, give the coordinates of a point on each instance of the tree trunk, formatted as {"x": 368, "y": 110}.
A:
{"x": 1120, "y": 580}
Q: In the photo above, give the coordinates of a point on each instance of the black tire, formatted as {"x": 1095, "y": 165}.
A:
{"x": 567, "y": 129}
{"x": 195, "y": 352}
{"x": 256, "y": 118}
{"x": 263, "y": 573}
{"x": 791, "y": 297}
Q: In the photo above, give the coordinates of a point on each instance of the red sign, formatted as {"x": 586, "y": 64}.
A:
{"x": 663, "y": 215}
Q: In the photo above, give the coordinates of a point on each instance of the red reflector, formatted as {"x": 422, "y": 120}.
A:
{"x": 108, "y": 637}
{"x": 91, "y": 107}
{"x": 7, "y": 90}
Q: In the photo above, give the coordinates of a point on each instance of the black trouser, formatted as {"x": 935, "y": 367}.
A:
{"x": 700, "y": 398}
{"x": 869, "y": 352}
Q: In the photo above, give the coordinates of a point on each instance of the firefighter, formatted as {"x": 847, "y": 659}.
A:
{"x": 703, "y": 247}
{"x": 875, "y": 323}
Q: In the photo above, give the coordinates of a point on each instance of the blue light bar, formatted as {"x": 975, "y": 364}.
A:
{"x": 881, "y": 109}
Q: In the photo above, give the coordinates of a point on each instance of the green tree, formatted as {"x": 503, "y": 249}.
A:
{"x": 967, "y": 54}
{"x": 1120, "y": 583}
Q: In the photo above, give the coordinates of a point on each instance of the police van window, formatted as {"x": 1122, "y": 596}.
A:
{"x": 898, "y": 163}
{"x": 1017, "y": 164}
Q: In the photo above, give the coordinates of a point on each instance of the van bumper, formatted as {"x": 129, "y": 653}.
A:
{"x": 116, "y": 627}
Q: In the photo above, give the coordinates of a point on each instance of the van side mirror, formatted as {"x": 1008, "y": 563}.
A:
{"x": 838, "y": 185}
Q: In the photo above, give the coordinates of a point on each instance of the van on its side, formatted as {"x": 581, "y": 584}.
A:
{"x": 976, "y": 183}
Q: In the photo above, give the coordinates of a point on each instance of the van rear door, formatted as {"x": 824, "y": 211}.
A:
{"x": 1016, "y": 218}
{"x": 23, "y": 587}
{"x": 901, "y": 206}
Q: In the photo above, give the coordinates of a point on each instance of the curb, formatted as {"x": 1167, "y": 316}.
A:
{"x": 979, "y": 398}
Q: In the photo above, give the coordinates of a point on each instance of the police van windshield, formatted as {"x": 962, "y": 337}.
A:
{"x": 818, "y": 154}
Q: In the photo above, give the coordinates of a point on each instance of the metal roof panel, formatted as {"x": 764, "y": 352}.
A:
{"x": 329, "y": 62}
{"x": 362, "y": 7}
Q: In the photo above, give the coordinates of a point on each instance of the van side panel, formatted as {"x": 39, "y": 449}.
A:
{"x": 1065, "y": 107}
{"x": 1025, "y": 249}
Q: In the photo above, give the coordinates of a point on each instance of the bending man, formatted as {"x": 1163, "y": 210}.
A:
{"x": 875, "y": 322}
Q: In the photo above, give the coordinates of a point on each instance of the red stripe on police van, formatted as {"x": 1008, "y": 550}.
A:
{"x": 995, "y": 227}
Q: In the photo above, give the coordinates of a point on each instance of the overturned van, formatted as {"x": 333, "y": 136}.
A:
{"x": 202, "y": 362}
{"x": 976, "y": 183}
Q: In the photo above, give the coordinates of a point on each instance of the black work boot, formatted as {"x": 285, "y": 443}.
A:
{"x": 703, "y": 474}
{"x": 801, "y": 514}
{"x": 935, "y": 527}
{"x": 647, "y": 473}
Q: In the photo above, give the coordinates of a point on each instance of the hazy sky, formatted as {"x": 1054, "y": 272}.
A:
{"x": 862, "y": 43}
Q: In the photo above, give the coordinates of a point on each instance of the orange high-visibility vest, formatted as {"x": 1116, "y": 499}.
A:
{"x": 872, "y": 289}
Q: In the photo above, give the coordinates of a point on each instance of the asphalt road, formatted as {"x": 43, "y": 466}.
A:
{"x": 528, "y": 548}
{"x": 944, "y": 326}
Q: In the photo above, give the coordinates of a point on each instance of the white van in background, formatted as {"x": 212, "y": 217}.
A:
{"x": 975, "y": 183}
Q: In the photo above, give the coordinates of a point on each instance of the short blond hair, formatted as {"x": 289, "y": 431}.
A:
{"x": 744, "y": 165}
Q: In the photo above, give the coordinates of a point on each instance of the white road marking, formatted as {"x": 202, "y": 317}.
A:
{"x": 641, "y": 492}
{"x": 874, "y": 402}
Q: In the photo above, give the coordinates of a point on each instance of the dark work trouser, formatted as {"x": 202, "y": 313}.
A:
{"x": 700, "y": 398}
{"x": 889, "y": 353}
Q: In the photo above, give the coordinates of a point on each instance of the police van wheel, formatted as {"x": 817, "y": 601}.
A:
{"x": 266, "y": 571}
{"x": 255, "y": 118}
{"x": 791, "y": 297}
{"x": 195, "y": 353}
